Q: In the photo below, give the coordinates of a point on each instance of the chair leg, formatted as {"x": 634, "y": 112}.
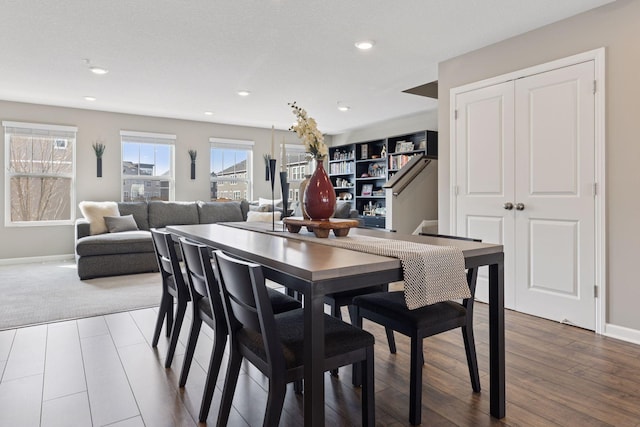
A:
{"x": 196, "y": 325}
{"x": 415, "y": 382}
{"x": 368, "y": 390}
{"x": 175, "y": 332}
{"x": 298, "y": 386}
{"x": 212, "y": 374}
{"x": 472, "y": 360}
{"x": 233, "y": 370}
{"x": 391, "y": 340}
{"x": 169, "y": 312}
{"x": 165, "y": 304}
{"x": 275, "y": 401}
{"x": 335, "y": 312}
{"x": 356, "y": 370}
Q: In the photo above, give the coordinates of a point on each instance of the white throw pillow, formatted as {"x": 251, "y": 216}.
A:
{"x": 253, "y": 216}
{"x": 94, "y": 212}
{"x": 263, "y": 201}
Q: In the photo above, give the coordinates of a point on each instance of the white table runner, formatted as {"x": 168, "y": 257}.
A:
{"x": 432, "y": 273}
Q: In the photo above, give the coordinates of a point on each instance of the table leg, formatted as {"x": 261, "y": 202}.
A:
{"x": 496, "y": 339}
{"x": 313, "y": 359}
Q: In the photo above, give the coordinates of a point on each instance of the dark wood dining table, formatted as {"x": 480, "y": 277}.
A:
{"x": 315, "y": 270}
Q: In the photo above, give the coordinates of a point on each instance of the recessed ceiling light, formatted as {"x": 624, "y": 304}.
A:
{"x": 89, "y": 98}
{"x": 243, "y": 92}
{"x": 365, "y": 44}
{"x": 342, "y": 107}
{"x": 98, "y": 70}
{"x": 208, "y": 113}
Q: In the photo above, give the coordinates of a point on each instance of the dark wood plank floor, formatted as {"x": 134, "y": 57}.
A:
{"x": 102, "y": 371}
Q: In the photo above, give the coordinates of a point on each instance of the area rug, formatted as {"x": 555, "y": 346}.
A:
{"x": 31, "y": 294}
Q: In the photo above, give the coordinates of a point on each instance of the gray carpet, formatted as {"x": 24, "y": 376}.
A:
{"x": 47, "y": 292}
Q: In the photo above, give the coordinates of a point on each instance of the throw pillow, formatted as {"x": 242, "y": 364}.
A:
{"x": 116, "y": 224}
{"x": 212, "y": 212}
{"x": 94, "y": 212}
{"x": 253, "y": 216}
{"x": 263, "y": 201}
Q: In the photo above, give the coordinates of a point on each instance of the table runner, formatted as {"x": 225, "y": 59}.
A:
{"x": 432, "y": 273}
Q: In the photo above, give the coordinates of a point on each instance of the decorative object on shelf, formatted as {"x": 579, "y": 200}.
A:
{"x": 383, "y": 152}
{"x": 319, "y": 198}
{"x": 98, "y": 148}
{"x": 193, "y": 154}
{"x": 367, "y": 189}
{"x": 364, "y": 151}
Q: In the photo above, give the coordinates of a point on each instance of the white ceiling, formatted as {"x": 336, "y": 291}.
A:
{"x": 180, "y": 58}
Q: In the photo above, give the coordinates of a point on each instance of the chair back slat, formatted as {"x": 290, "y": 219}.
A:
{"x": 168, "y": 261}
{"x": 202, "y": 282}
{"x": 247, "y": 304}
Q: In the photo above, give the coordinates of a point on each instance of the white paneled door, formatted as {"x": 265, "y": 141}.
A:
{"x": 525, "y": 177}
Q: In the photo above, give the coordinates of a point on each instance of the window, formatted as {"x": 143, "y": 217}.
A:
{"x": 147, "y": 166}
{"x": 39, "y": 174}
{"x": 231, "y": 165}
{"x": 297, "y": 161}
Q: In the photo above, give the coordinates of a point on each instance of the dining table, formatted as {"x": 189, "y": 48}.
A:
{"x": 314, "y": 270}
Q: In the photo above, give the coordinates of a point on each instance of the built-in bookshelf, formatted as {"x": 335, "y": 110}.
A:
{"x": 358, "y": 171}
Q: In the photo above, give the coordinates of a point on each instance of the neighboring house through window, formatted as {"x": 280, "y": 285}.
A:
{"x": 39, "y": 174}
{"x": 147, "y": 166}
{"x": 297, "y": 165}
{"x": 230, "y": 169}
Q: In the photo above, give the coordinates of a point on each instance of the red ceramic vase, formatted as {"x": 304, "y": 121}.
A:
{"x": 319, "y": 196}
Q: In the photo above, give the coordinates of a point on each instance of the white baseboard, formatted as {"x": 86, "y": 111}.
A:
{"x": 622, "y": 333}
{"x": 37, "y": 259}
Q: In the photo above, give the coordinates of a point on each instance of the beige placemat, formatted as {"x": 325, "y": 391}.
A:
{"x": 432, "y": 273}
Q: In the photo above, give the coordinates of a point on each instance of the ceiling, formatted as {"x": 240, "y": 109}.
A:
{"x": 180, "y": 58}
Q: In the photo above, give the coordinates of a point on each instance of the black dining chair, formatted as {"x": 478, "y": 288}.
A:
{"x": 174, "y": 289}
{"x": 337, "y": 300}
{"x": 207, "y": 308}
{"x": 389, "y": 309}
{"x": 275, "y": 343}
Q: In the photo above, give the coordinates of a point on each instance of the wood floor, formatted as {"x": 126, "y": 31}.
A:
{"x": 101, "y": 371}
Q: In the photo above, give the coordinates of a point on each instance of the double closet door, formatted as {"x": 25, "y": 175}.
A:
{"x": 525, "y": 178}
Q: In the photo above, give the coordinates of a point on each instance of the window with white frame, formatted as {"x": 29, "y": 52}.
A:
{"x": 297, "y": 166}
{"x": 39, "y": 173}
{"x": 230, "y": 169}
{"x": 147, "y": 166}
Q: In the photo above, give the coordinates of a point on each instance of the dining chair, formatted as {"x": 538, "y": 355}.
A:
{"x": 274, "y": 344}
{"x": 207, "y": 308}
{"x": 174, "y": 289}
{"x": 389, "y": 309}
{"x": 337, "y": 300}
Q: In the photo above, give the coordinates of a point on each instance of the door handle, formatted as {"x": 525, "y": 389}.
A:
{"x": 508, "y": 206}
{"x": 520, "y": 206}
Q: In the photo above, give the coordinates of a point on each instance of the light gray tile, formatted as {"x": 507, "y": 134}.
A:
{"x": 72, "y": 410}
{"x": 20, "y": 400}
{"x": 6, "y": 340}
{"x": 92, "y": 326}
{"x": 27, "y": 353}
{"x": 110, "y": 396}
{"x": 123, "y": 329}
{"x": 64, "y": 370}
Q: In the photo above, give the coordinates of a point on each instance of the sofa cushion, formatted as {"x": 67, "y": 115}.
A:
{"x": 138, "y": 210}
{"x": 118, "y": 224}
{"x": 162, "y": 213}
{"x": 125, "y": 242}
{"x": 212, "y": 212}
{"x": 94, "y": 212}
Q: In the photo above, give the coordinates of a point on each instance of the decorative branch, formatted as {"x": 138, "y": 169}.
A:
{"x": 193, "y": 154}
{"x": 98, "y": 148}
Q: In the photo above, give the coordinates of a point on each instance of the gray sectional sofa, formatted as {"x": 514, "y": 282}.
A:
{"x": 128, "y": 252}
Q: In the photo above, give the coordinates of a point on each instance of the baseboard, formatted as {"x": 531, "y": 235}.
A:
{"x": 622, "y": 333}
{"x": 37, "y": 259}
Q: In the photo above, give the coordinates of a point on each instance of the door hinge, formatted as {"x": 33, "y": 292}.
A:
{"x": 595, "y": 291}
{"x": 595, "y": 86}
{"x": 455, "y": 114}
{"x": 455, "y": 190}
{"x": 595, "y": 189}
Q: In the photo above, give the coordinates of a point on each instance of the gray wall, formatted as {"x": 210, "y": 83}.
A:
{"x": 25, "y": 242}
{"x": 614, "y": 26}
